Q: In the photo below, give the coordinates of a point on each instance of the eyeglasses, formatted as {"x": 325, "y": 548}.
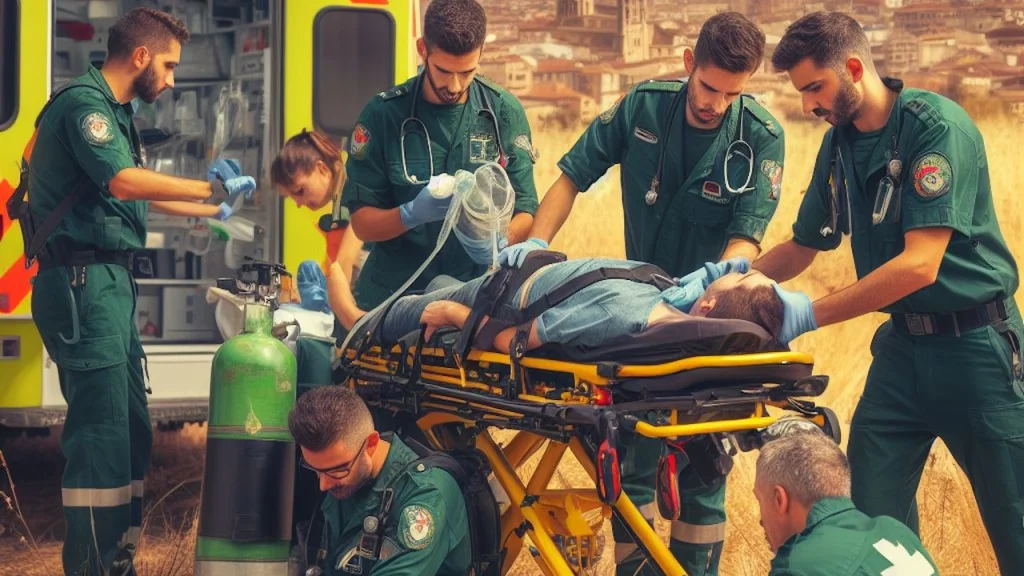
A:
{"x": 338, "y": 472}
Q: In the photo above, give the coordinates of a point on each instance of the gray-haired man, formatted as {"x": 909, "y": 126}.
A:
{"x": 803, "y": 489}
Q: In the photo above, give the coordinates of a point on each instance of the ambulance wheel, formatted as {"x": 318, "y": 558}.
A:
{"x": 831, "y": 427}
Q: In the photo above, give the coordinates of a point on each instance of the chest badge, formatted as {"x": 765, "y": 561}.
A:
{"x": 713, "y": 191}
{"x": 645, "y": 135}
{"x": 481, "y": 148}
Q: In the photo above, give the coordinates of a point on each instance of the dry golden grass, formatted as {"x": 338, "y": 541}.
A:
{"x": 951, "y": 526}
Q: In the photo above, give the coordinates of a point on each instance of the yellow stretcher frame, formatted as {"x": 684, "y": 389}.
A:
{"x": 536, "y": 509}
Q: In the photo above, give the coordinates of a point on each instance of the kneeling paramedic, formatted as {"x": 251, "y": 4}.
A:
{"x": 388, "y": 511}
{"x": 701, "y": 177}
{"x": 85, "y": 217}
{"x": 803, "y": 492}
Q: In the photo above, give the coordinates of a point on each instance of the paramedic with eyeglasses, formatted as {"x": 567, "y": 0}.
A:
{"x": 904, "y": 173}
{"x": 701, "y": 176}
{"x": 421, "y": 132}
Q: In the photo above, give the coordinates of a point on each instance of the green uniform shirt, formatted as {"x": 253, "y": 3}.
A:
{"x": 462, "y": 137}
{"x": 427, "y": 531}
{"x": 85, "y": 138}
{"x": 944, "y": 182}
{"x": 694, "y": 215}
{"x": 842, "y": 541}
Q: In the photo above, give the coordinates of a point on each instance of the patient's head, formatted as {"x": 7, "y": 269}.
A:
{"x": 744, "y": 296}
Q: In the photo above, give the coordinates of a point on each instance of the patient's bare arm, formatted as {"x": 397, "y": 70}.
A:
{"x": 448, "y": 313}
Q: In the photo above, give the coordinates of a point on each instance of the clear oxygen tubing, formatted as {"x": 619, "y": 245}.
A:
{"x": 476, "y": 213}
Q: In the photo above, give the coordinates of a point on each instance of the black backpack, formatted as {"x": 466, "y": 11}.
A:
{"x": 470, "y": 469}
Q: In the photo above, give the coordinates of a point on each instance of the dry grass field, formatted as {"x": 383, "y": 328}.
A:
{"x": 951, "y": 526}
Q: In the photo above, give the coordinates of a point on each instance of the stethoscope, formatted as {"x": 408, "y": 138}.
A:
{"x": 738, "y": 147}
{"x": 888, "y": 186}
{"x": 502, "y": 159}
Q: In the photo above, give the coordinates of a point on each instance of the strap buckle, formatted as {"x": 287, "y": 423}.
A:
{"x": 919, "y": 324}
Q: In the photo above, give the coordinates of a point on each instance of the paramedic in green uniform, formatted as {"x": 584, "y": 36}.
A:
{"x": 680, "y": 134}
{"x": 464, "y": 121}
{"x": 83, "y": 300}
{"x": 916, "y": 199}
{"x": 803, "y": 491}
{"x": 426, "y": 530}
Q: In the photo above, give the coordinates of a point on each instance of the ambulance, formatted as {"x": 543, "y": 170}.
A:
{"x": 254, "y": 73}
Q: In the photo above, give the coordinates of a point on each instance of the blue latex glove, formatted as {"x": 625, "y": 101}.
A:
{"x": 425, "y": 207}
{"x": 798, "y": 314}
{"x": 712, "y": 271}
{"x": 224, "y": 211}
{"x": 514, "y": 255}
{"x": 223, "y": 170}
{"x": 312, "y": 287}
{"x": 239, "y": 185}
{"x": 683, "y": 298}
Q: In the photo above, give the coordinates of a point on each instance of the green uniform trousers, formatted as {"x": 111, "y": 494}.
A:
{"x": 107, "y": 435}
{"x": 967, "y": 390}
{"x": 696, "y": 536}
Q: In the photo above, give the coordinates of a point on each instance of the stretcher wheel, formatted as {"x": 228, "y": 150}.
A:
{"x": 831, "y": 426}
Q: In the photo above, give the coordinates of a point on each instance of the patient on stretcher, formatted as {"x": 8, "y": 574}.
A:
{"x": 595, "y": 314}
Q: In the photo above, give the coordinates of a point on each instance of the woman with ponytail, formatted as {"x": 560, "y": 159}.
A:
{"x": 309, "y": 170}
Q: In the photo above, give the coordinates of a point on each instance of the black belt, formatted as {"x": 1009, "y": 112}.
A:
{"x": 950, "y": 322}
{"x": 88, "y": 257}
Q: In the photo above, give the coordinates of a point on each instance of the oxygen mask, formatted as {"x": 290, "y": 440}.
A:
{"x": 484, "y": 200}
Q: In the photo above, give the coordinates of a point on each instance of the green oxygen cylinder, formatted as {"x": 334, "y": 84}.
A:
{"x": 245, "y": 514}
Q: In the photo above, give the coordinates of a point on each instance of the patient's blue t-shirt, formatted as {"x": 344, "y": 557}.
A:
{"x": 593, "y": 316}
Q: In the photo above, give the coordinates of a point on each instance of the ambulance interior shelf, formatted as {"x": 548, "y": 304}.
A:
{"x": 216, "y": 109}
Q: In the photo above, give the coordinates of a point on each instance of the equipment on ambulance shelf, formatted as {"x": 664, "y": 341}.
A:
{"x": 229, "y": 110}
{"x": 245, "y": 514}
{"x": 234, "y": 230}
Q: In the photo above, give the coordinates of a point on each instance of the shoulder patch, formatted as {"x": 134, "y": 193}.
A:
{"x": 97, "y": 128}
{"x": 360, "y": 140}
{"x": 773, "y": 171}
{"x": 933, "y": 175}
{"x": 523, "y": 143}
{"x": 416, "y": 529}
{"x": 607, "y": 115}
{"x": 394, "y": 92}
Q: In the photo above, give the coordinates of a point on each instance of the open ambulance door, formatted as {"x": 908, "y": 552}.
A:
{"x": 337, "y": 56}
{"x": 24, "y": 87}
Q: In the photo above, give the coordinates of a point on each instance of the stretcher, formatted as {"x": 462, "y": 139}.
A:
{"x": 725, "y": 380}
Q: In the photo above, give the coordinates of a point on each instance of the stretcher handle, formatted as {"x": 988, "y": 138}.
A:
{"x": 609, "y": 484}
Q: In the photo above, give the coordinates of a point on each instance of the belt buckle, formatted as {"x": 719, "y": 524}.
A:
{"x": 919, "y": 324}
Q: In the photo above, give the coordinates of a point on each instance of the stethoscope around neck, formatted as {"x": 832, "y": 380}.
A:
{"x": 412, "y": 119}
{"x": 737, "y": 147}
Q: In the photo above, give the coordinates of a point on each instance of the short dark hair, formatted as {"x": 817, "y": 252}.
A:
{"x": 144, "y": 26}
{"x": 728, "y": 40}
{"x": 457, "y": 27}
{"x": 828, "y": 38}
{"x": 760, "y": 305}
{"x": 327, "y": 414}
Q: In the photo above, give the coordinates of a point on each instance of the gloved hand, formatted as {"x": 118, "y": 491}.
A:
{"x": 224, "y": 211}
{"x": 798, "y": 314}
{"x": 712, "y": 271}
{"x": 683, "y": 298}
{"x": 239, "y": 185}
{"x": 223, "y": 170}
{"x": 514, "y": 255}
{"x": 427, "y": 206}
